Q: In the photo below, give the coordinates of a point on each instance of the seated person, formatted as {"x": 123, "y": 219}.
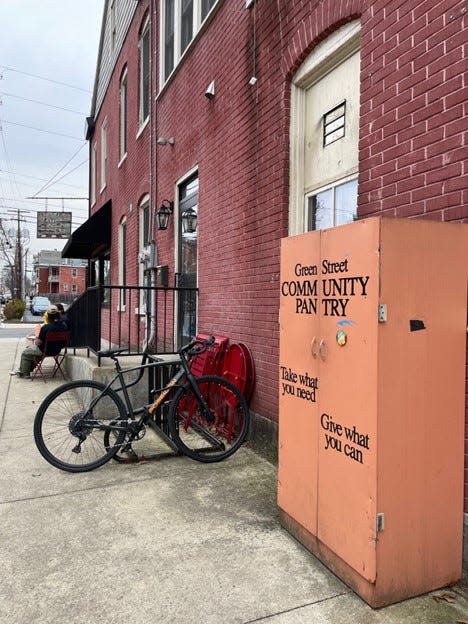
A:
{"x": 37, "y": 329}
{"x": 63, "y": 315}
{"x": 32, "y": 354}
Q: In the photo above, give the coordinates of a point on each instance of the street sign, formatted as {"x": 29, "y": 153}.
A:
{"x": 54, "y": 224}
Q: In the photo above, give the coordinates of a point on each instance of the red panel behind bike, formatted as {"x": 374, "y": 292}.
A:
{"x": 209, "y": 362}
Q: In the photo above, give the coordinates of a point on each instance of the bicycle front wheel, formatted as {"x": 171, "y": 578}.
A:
{"x": 210, "y": 432}
{"x": 71, "y": 423}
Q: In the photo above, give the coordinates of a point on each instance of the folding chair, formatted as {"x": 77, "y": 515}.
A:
{"x": 53, "y": 340}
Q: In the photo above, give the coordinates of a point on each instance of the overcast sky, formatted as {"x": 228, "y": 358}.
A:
{"x": 48, "y": 54}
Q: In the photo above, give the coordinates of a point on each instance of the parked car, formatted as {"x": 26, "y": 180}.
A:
{"x": 39, "y": 305}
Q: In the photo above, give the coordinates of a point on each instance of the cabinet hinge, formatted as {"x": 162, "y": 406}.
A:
{"x": 380, "y": 522}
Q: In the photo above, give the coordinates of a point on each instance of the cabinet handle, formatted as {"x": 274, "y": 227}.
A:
{"x": 322, "y": 349}
{"x": 312, "y": 347}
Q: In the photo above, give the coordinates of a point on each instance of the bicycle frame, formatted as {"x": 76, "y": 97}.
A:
{"x": 204, "y": 418}
{"x": 150, "y": 408}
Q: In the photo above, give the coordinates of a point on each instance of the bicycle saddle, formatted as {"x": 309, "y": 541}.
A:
{"x": 110, "y": 352}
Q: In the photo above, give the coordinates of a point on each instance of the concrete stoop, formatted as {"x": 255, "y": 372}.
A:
{"x": 82, "y": 366}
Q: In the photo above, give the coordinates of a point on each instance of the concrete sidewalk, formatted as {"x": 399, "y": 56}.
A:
{"x": 171, "y": 541}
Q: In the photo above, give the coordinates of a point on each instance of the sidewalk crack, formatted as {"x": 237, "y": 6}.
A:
{"x": 264, "y": 618}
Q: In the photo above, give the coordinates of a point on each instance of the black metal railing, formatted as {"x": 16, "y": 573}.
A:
{"x": 85, "y": 320}
{"x": 135, "y": 318}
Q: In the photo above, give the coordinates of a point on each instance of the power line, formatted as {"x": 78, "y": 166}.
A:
{"x": 19, "y": 97}
{"x": 65, "y": 84}
{"x": 66, "y": 174}
{"x": 25, "y": 175}
{"x": 13, "y": 182}
{"x": 34, "y": 185}
{"x": 67, "y": 136}
{"x": 45, "y": 204}
{"x": 57, "y": 197}
{"x": 48, "y": 183}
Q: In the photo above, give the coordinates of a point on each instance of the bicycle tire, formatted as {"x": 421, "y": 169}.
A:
{"x": 64, "y": 433}
{"x": 221, "y": 437}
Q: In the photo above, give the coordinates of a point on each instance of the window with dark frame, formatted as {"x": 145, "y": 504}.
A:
{"x": 123, "y": 116}
{"x": 186, "y": 24}
{"x": 123, "y": 262}
{"x": 181, "y": 21}
{"x": 207, "y": 5}
{"x": 144, "y": 71}
{"x": 169, "y": 32}
{"x": 145, "y": 230}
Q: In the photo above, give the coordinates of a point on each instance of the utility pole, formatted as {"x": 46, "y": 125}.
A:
{"x": 17, "y": 238}
{"x": 18, "y": 262}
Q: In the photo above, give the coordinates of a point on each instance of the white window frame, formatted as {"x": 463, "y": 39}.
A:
{"x": 104, "y": 154}
{"x": 142, "y": 249}
{"x": 179, "y": 183}
{"x": 327, "y": 55}
{"x": 328, "y": 187}
{"x": 93, "y": 172}
{"x": 197, "y": 23}
{"x": 144, "y": 94}
{"x": 122, "y": 248}
{"x": 123, "y": 116}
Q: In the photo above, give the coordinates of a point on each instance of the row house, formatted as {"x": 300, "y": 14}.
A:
{"x": 218, "y": 127}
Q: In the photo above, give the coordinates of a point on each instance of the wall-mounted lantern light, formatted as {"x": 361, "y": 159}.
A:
{"x": 189, "y": 221}
{"x": 163, "y": 213}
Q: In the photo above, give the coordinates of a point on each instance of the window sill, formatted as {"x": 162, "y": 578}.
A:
{"x": 142, "y": 127}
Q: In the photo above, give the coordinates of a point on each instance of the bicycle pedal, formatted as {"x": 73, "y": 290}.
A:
{"x": 131, "y": 458}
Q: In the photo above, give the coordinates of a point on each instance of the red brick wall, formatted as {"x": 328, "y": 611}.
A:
{"x": 128, "y": 182}
{"x": 42, "y": 283}
{"x": 412, "y": 148}
{"x": 411, "y": 143}
{"x": 65, "y": 278}
{"x": 68, "y": 280}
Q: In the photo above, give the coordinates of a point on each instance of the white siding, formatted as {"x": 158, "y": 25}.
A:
{"x": 124, "y": 11}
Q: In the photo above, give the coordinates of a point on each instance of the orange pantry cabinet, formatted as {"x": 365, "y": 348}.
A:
{"x": 372, "y": 392}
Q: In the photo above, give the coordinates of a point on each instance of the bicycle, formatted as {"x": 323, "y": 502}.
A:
{"x": 83, "y": 424}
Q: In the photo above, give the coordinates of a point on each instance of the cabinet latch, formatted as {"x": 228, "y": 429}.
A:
{"x": 380, "y": 522}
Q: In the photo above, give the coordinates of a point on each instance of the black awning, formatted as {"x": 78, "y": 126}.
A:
{"x": 93, "y": 237}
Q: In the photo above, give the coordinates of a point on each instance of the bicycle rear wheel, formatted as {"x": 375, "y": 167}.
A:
{"x": 213, "y": 436}
{"x": 71, "y": 422}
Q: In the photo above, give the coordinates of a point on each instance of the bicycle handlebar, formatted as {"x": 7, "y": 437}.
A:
{"x": 190, "y": 348}
{"x": 197, "y": 346}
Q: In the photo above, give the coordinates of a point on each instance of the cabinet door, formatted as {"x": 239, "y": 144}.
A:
{"x": 298, "y": 375}
{"x": 349, "y": 285}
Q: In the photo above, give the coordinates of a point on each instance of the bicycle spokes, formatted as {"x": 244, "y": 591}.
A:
{"x": 210, "y": 428}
